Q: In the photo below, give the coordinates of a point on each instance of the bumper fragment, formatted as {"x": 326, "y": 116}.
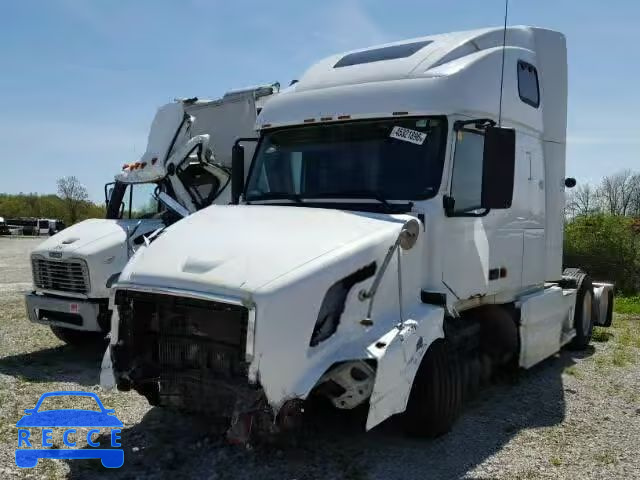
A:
{"x": 76, "y": 314}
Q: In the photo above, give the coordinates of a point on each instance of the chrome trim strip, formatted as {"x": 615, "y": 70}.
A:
{"x": 71, "y": 296}
{"x": 178, "y": 292}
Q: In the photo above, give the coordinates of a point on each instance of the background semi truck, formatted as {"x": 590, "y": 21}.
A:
{"x": 398, "y": 239}
{"x": 187, "y": 160}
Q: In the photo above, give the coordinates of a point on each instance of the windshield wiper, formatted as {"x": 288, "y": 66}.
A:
{"x": 276, "y": 196}
{"x": 362, "y": 194}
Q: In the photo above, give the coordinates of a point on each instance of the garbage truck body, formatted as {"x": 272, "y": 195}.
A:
{"x": 187, "y": 160}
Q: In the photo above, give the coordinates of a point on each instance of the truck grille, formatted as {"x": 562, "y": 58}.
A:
{"x": 192, "y": 350}
{"x": 64, "y": 276}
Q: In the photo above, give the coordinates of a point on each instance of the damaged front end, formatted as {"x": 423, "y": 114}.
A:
{"x": 285, "y": 324}
{"x": 186, "y": 353}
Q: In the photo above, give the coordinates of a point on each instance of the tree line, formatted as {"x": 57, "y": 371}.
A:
{"x": 617, "y": 194}
{"x": 71, "y": 204}
{"x": 602, "y": 230}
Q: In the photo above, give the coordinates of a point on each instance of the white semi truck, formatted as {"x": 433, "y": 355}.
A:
{"x": 185, "y": 167}
{"x": 398, "y": 238}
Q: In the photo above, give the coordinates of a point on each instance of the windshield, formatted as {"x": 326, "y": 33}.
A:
{"x": 398, "y": 159}
{"x": 137, "y": 200}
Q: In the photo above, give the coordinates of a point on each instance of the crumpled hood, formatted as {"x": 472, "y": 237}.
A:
{"x": 92, "y": 236}
{"x": 241, "y": 248}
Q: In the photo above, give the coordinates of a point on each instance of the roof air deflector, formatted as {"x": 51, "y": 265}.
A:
{"x": 379, "y": 54}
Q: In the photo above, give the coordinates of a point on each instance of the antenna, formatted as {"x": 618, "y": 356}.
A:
{"x": 504, "y": 42}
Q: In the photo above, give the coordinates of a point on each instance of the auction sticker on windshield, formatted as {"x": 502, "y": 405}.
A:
{"x": 408, "y": 135}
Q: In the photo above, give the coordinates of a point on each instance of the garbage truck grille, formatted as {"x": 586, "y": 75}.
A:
{"x": 64, "y": 276}
{"x": 195, "y": 348}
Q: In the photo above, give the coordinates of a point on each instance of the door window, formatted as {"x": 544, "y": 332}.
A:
{"x": 138, "y": 201}
{"x": 466, "y": 180}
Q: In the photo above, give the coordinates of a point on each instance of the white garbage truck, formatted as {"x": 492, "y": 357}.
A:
{"x": 185, "y": 167}
{"x": 399, "y": 237}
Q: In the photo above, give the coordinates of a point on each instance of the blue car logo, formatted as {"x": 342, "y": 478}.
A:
{"x": 67, "y": 418}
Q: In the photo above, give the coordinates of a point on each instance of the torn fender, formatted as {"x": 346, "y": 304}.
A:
{"x": 399, "y": 353}
{"x": 107, "y": 376}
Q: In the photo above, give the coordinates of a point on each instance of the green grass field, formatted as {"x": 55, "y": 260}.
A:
{"x": 627, "y": 305}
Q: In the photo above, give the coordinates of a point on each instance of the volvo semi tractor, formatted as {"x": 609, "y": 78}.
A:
{"x": 185, "y": 167}
{"x": 399, "y": 238}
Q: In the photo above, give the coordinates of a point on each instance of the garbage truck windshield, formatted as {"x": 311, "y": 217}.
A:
{"x": 134, "y": 200}
{"x": 398, "y": 159}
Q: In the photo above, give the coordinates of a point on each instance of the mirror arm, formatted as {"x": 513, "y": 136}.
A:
{"x": 479, "y": 123}
{"x": 245, "y": 139}
{"x": 448, "y": 203}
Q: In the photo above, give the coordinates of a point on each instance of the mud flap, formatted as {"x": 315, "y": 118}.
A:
{"x": 398, "y": 354}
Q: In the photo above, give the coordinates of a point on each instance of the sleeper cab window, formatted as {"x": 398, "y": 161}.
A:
{"x": 528, "y": 87}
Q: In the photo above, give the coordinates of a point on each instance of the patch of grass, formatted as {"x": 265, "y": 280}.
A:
{"x": 628, "y": 338}
{"x": 600, "y": 361}
{"x": 601, "y": 335}
{"x": 621, "y": 357}
{"x": 628, "y": 332}
{"x": 605, "y": 458}
{"x": 573, "y": 371}
{"x": 627, "y": 305}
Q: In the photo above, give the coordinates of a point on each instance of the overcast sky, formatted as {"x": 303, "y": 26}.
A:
{"x": 80, "y": 80}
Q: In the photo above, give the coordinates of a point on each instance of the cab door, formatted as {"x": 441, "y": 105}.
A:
{"x": 466, "y": 245}
{"x": 483, "y": 248}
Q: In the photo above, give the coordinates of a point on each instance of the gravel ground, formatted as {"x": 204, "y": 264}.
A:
{"x": 573, "y": 416}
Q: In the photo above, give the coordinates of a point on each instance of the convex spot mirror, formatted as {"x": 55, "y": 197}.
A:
{"x": 499, "y": 159}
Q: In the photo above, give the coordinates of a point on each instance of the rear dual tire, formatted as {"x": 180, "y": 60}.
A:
{"x": 584, "y": 313}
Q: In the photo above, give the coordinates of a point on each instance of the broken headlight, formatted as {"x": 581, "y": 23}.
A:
{"x": 333, "y": 304}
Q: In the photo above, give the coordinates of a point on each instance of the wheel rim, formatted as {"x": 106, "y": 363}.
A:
{"x": 586, "y": 312}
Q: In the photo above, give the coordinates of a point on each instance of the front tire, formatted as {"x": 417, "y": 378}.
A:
{"x": 78, "y": 338}
{"x": 436, "y": 395}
